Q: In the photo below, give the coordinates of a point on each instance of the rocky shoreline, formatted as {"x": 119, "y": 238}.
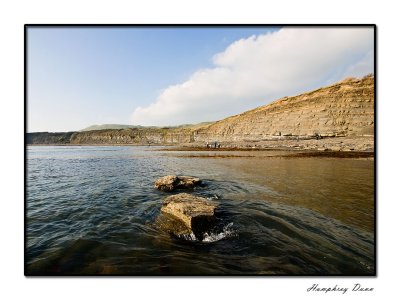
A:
{"x": 336, "y": 144}
{"x": 358, "y": 144}
{"x": 329, "y": 147}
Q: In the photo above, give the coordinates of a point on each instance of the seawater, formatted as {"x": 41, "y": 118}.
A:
{"x": 92, "y": 210}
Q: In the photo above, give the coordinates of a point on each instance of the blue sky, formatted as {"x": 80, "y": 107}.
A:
{"x": 78, "y": 77}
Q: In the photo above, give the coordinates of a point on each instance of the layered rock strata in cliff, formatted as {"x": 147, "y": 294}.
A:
{"x": 133, "y": 136}
{"x": 342, "y": 109}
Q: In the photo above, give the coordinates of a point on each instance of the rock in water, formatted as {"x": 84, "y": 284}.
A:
{"x": 194, "y": 214}
{"x": 171, "y": 182}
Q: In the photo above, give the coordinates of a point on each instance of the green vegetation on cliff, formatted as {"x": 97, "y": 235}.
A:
{"x": 49, "y": 137}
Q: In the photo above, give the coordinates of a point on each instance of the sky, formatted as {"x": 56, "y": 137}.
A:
{"x": 162, "y": 76}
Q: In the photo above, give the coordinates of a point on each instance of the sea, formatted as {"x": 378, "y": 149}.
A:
{"x": 92, "y": 210}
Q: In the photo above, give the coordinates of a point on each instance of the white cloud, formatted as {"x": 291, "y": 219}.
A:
{"x": 259, "y": 69}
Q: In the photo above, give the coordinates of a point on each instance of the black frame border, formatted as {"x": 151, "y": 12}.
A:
{"x": 214, "y": 25}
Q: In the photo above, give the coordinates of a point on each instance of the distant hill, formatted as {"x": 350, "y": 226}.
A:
{"x": 109, "y": 126}
{"x": 188, "y": 126}
{"x": 121, "y": 126}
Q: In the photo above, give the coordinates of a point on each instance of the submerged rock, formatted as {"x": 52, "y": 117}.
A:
{"x": 171, "y": 182}
{"x": 185, "y": 214}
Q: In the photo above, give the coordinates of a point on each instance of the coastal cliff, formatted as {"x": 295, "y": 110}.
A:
{"x": 45, "y": 138}
{"x": 133, "y": 136}
{"x": 344, "y": 110}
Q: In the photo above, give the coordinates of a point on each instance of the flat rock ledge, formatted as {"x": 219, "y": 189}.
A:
{"x": 184, "y": 214}
{"x": 170, "y": 183}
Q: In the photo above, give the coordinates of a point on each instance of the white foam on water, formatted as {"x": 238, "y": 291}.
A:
{"x": 188, "y": 237}
{"x": 213, "y": 197}
{"x": 214, "y": 237}
{"x": 211, "y": 237}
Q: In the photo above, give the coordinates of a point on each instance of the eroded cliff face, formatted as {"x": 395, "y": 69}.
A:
{"x": 48, "y": 137}
{"x": 342, "y": 109}
{"x": 133, "y": 136}
{"x": 345, "y": 109}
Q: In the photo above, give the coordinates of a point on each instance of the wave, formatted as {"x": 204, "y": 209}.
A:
{"x": 212, "y": 237}
{"x": 226, "y": 232}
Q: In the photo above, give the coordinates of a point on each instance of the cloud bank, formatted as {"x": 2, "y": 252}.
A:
{"x": 260, "y": 69}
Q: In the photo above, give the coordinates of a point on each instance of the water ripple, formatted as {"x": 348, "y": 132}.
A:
{"x": 91, "y": 210}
